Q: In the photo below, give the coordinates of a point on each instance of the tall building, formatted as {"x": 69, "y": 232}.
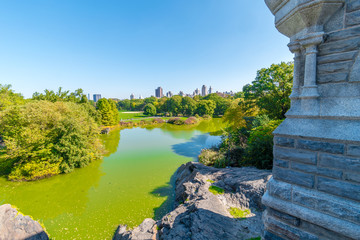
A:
{"x": 181, "y": 93}
{"x": 210, "y": 90}
{"x": 196, "y": 92}
{"x": 159, "y": 92}
{"x": 140, "y": 97}
{"x": 203, "y": 91}
{"x": 169, "y": 94}
{"x": 132, "y": 96}
{"x": 97, "y": 97}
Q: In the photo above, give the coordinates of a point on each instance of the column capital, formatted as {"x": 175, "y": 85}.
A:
{"x": 311, "y": 39}
{"x": 294, "y": 47}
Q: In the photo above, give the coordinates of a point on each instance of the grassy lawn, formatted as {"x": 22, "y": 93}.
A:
{"x": 128, "y": 115}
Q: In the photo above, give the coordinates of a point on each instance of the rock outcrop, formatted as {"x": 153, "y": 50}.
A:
{"x": 15, "y": 226}
{"x": 210, "y": 204}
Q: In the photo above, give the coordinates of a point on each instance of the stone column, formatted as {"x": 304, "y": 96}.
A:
{"x": 295, "y": 48}
{"x": 309, "y": 96}
{"x": 315, "y": 190}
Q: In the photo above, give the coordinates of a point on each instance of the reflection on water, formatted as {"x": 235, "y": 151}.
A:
{"x": 131, "y": 183}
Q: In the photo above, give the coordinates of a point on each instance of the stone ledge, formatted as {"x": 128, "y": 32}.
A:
{"x": 343, "y": 227}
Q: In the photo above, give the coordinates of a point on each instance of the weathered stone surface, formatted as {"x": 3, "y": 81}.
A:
{"x": 353, "y": 5}
{"x": 15, "y": 226}
{"x": 342, "y": 189}
{"x": 351, "y": 44}
{"x": 281, "y": 163}
{"x": 332, "y": 78}
{"x": 295, "y": 155}
{"x": 284, "y": 142}
{"x": 326, "y": 203}
{"x": 353, "y": 177}
{"x": 284, "y": 217}
{"x": 280, "y": 189}
{"x": 321, "y": 146}
{"x": 352, "y": 18}
{"x": 338, "y": 57}
{"x": 334, "y": 67}
{"x": 339, "y": 90}
{"x": 343, "y": 34}
{"x": 353, "y": 150}
{"x": 316, "y": 170}
{"x": 204, "y": 215}
{"x": 355, "y": 71}
{"x": 294, "y": 177}
{"x": 340, "y": 162}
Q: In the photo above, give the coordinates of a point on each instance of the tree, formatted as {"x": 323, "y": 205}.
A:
{"x": 174, "y": 105}
{"x": 65, "y": 96}
{"x": 271, "y": 90}
{"x": 124, "y": 105}
{"x": 149, "y": 110}
{"x": 108, "y": 111}
{"x": 9, "y": 98}
{"x": 206, "y": 107}
{"x": 189, "y": 106}
{"x": 43, "y": 138}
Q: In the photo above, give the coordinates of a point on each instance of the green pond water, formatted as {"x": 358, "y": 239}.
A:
{"x": 131, "y": 183}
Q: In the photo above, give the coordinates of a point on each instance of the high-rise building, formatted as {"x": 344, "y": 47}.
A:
{"x": 210, "y": 90}
{"x": 203, "y": 91}
{"x": 159, "y": 92}
{"x": 132, "y": 96}
{"x": 169, "y": 94}
{"x": 97, "y": 97}
{"x": 140, "y": 97}
{"x": 181, "y": 93}
{"x": 196, "y": 92}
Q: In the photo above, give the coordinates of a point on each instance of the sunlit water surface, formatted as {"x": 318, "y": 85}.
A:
{"x": 131, "y": 183}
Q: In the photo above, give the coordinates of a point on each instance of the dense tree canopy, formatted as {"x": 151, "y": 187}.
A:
{"x": 271, "y": 90}
{"x": 44, "y": 138}
{"x": 150, "y": 110}
{"x": 9, "y": 98}
{"x": 108, "y": 111}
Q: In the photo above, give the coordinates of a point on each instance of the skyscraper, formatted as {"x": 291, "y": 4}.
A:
{"x": 97, "y": 97}
{"x": 181, "y": 93}
{"x": 210, "y": 90}
{"x": 159, "y": 92}
{"x": 196, "y": 92}
{"x": 132, "y": 96}
{"x": 203, "y": 91}
{"x": 169, "y": 94}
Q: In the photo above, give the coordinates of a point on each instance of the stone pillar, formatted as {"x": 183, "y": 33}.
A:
{"x": 315, "y": 189}
{"x": 295, "y": 48}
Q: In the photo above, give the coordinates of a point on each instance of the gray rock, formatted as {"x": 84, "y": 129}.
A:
{"x": 15, "y": 226}
{"x": 200, "y": 214}
{"x": 105, "y": 131}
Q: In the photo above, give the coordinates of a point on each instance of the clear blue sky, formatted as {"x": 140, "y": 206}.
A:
{"x": 119, "y": 47}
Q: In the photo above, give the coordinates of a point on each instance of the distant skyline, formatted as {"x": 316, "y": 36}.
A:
{"x": 115, "y": 48}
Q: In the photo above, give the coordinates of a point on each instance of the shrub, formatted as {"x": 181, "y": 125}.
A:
{"x": 44, "y": 138}
{"x": 158, "y": 120}
{"x": 191, "y": 120}
{"x": 216, "y": 190}
{"x": 206, "y": 117}
{"x": 238, "y": 213}
{"x": 176, "y": 121}
{"x": 208, "y": 157}
{"x": 259, "y": 152}
{"x": 197, "y": 116}
{"x": 150, "y": 109}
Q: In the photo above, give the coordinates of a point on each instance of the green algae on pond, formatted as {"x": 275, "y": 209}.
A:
{"x": 131, "y": 183}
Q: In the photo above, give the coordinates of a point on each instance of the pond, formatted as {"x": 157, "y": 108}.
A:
{"x": 131, "y": 183}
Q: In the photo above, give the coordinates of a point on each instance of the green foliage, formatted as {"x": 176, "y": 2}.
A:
{"x": 210, "y": 181}
{"x": 189, "y": 106}
{"x": 174, "y": 105}
{"x": 61, "y": 96}
{"x": 44, "y": 138}
{"x": 150, "y": 110}
{"x": 216, "y": 190}
{"x": 191, "y": 121}
{"x": 176, "y": 121}
{"x": 108, "y": 111}
{"x": 271, "y": 90}
{"x": 206, "y": 107}
{"x": 259, "y": 152}
{"x": 238, "y": 213}
{"x": 9, "y": 98}
{"x": 222, "y": 104}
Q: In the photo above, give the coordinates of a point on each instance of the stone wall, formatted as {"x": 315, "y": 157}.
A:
{"x": 315, "y": 190}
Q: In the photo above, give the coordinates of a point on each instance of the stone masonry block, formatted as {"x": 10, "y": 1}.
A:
{"x": 294, "y": 177}
{"x": 352, "y": 18}
{"x": 326, "y": 203}
{"x": 351, "y": 44}
{"x": 353, "y": 5}
{"x": 352, "y": 177}
{"x": 353, "y": 150}
{"x": 333, "y": 77}
{"x": 338, "y": 188}
{"x": 284, "y": 217}
{"x": 280, "y": 189}
{"x": 286, "y": 231}
{"x": 295, "y": 155}
{"x": 343, "y": 34}
{"x": 321, "y": 146}
{"x": 284, "y": 142}
{"x": 323, "y": 233}
{"x": 281, "y": 163}
{"x": 334, "y": 67}
{"x": 271, "y": 236}
{"x": 316, "y": 170}
{"x": 339, "y": 57}
{"x": 340, "y": 162}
